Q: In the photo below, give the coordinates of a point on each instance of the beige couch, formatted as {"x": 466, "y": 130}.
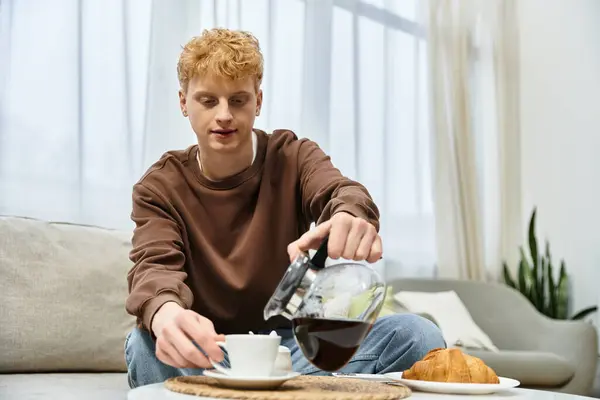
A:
{"x": 63, "y": 322}
{"x": 62, "y": 317}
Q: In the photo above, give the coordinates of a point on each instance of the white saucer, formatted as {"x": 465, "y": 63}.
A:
{"x": 251, "y": 382}
{"x": 455, "y": 388}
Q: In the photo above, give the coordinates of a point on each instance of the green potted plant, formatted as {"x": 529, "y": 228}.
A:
{"x": 537, "y": 282}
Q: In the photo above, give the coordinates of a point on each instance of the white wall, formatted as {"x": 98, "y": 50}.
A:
{"x": 560, "y": 56}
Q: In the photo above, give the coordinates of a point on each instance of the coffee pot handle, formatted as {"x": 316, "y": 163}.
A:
{"x": 318, "y": 260}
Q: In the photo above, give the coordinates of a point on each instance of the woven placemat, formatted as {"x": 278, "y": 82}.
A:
{"x": 302, "y": 387}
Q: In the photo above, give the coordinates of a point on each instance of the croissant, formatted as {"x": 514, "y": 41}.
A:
{"x": 451, "y": 365}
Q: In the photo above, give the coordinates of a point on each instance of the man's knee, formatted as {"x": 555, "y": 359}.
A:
{"x": 411, "y": 338}
{"x": 143, "y": 368}
{"x": 422, "y": 334}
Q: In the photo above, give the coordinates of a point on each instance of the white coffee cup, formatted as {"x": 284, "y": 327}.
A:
{"x": 250, "y": 355}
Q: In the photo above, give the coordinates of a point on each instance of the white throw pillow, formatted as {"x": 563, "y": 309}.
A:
{"x": 451, "y": 316}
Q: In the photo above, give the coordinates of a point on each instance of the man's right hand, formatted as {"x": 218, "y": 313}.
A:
{"x": 175, "y": 328}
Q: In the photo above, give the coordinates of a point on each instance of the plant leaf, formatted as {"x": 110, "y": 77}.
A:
{"x": 537, "y": 292}
{"x": 543, "y": 293}
{"x": 551, "y": 285}
{"x": 534, "y": 286}
{"x": 507, "y": 278}
{"x": 533, "y": 297}
{"x": 584, "y": 313}
{"x": 527, "y": 280}
{"x": 523, "y": 276}
{"x": 562, "y": 295}
{"x": 533, "y": 247}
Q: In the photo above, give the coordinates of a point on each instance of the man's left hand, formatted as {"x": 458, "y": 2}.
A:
{"x": 350, "y": 237}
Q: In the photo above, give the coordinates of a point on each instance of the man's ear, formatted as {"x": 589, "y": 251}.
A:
{"x": 259, "y": 99}
{"x": 182, "y": 103}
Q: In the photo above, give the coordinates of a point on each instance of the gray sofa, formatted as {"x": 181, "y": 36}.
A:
{"x": 63, "y": 322}
{"x": 540, "y": 352}
{"x": 62, "y": 317}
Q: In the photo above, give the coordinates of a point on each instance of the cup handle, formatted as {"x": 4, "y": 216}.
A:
{"x": 216, "y": 365}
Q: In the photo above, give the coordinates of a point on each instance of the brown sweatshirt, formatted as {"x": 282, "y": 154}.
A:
{"x": 220, "y": 248}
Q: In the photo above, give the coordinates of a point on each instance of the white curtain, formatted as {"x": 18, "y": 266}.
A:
{"x": 89, "y": 101}
{"x": 473, "y": 47}
{"x": 73, "y": 106}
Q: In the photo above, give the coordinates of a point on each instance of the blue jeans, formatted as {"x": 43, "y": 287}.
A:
{"x": 394, "y": 344}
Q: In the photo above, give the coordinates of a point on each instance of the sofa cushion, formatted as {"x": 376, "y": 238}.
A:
{"x": 62, "y": 289}
{"x": 531, "y": 368}
{"x": 93, "y": 386}
{"x": 450, "y": 315}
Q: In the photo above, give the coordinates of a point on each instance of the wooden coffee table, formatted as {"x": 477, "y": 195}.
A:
{"x": 157, "y": 391}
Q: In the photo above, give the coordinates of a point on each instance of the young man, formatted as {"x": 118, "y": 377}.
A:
{"x": 218, "y": 224}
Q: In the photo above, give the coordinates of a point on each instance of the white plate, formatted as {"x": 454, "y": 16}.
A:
{"x": 251, "y": 382}
{"x": 455, "y": 388}
{"x": 366, "y": 377}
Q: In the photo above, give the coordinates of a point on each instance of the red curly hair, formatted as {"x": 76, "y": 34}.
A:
{"x": 225, "y": 53}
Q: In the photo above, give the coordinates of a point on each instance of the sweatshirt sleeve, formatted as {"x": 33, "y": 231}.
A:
{"x": 325, "y": 191}
{"x": 157, "y": 275}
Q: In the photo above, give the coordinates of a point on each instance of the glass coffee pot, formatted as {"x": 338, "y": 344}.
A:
{"x": 332, "y": 309}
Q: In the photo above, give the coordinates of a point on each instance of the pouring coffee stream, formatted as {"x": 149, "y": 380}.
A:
{"x": 331, "y": 308}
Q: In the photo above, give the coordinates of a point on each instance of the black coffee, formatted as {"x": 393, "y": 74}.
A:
{"x": 329, "y": 343}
